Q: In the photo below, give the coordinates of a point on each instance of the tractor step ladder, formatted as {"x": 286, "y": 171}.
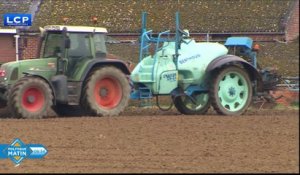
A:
{"x": 145, "y": 96}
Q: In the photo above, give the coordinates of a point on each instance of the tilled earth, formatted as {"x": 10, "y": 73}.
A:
{"x": 149, "y": 140}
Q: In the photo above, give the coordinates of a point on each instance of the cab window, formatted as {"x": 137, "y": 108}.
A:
{"x": 53, "y": 45}
{"x": 99, "y": 42}
{"x": 80, "y": 45}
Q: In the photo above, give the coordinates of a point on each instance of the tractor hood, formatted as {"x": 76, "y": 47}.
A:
{"x": 12, "y": 70}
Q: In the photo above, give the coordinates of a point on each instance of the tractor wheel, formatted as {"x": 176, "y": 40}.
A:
{"x": 30, "y": 97}
{"x": 106, "y": 92}
{"x": 185, "y": 105}
{"x": 231, "y": 91}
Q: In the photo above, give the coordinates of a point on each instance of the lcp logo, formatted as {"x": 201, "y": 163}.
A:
{"x": 17, "y": 19}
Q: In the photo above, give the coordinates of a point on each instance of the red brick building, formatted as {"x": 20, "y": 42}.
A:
{"x": 30, "y": 45}
{"x": 7, "y": 45}
{"x": 292, "y": 26}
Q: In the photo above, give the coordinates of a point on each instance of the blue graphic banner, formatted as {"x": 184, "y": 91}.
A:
{"x": 17, "y": 151}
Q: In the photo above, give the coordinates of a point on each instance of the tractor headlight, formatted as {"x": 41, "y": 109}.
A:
{"x": 2, "y": 73}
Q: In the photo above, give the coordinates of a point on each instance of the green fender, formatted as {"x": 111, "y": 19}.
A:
{"x": 232, "y": 59}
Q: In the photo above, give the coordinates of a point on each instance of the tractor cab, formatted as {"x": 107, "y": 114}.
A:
{"x": 73, "y": 46}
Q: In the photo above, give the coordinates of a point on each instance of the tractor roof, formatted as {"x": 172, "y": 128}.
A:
{"x": 75, "y": 28}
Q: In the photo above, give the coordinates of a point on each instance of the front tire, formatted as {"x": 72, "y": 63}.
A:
{"x": 30, "y": 97}
{"x": 106, "y": 92}
{"x": 185, "y": 105}
{"x": 231, "y": 91}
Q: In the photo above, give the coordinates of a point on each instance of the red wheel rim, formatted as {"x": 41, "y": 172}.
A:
{"x": 108, "y": 92}
{"x": 33, "y": 99}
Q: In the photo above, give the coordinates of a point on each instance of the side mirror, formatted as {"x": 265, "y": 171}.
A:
{"x": 67, "y": 43}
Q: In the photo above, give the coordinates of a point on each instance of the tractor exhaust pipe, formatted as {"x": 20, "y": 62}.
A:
{"x": 17, "y": 46}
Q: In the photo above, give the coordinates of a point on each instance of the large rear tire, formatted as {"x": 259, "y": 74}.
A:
{"x": 30, "y": 97}
{"x": 231, "y": 91}
{"x": 185, "y": 105}
{"x": 106, "y": 92}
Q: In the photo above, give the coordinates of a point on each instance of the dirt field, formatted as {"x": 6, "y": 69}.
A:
{"x": 148, "y": 140}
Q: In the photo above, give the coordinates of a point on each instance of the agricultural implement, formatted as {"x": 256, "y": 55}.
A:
{"x": 73, "y": 69}
{"x": 199, "y": 75}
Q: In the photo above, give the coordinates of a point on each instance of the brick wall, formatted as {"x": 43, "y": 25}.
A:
{"x": 29, "y": 50}
{"x": 292, "y": 28}
{"x": 7, "y": 48}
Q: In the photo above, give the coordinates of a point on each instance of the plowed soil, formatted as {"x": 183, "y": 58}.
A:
{"x": 149, "y": 140}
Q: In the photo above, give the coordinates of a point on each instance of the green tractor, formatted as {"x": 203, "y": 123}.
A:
{"x": 197, "y": 75}
{"x": 74, "y": 68}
